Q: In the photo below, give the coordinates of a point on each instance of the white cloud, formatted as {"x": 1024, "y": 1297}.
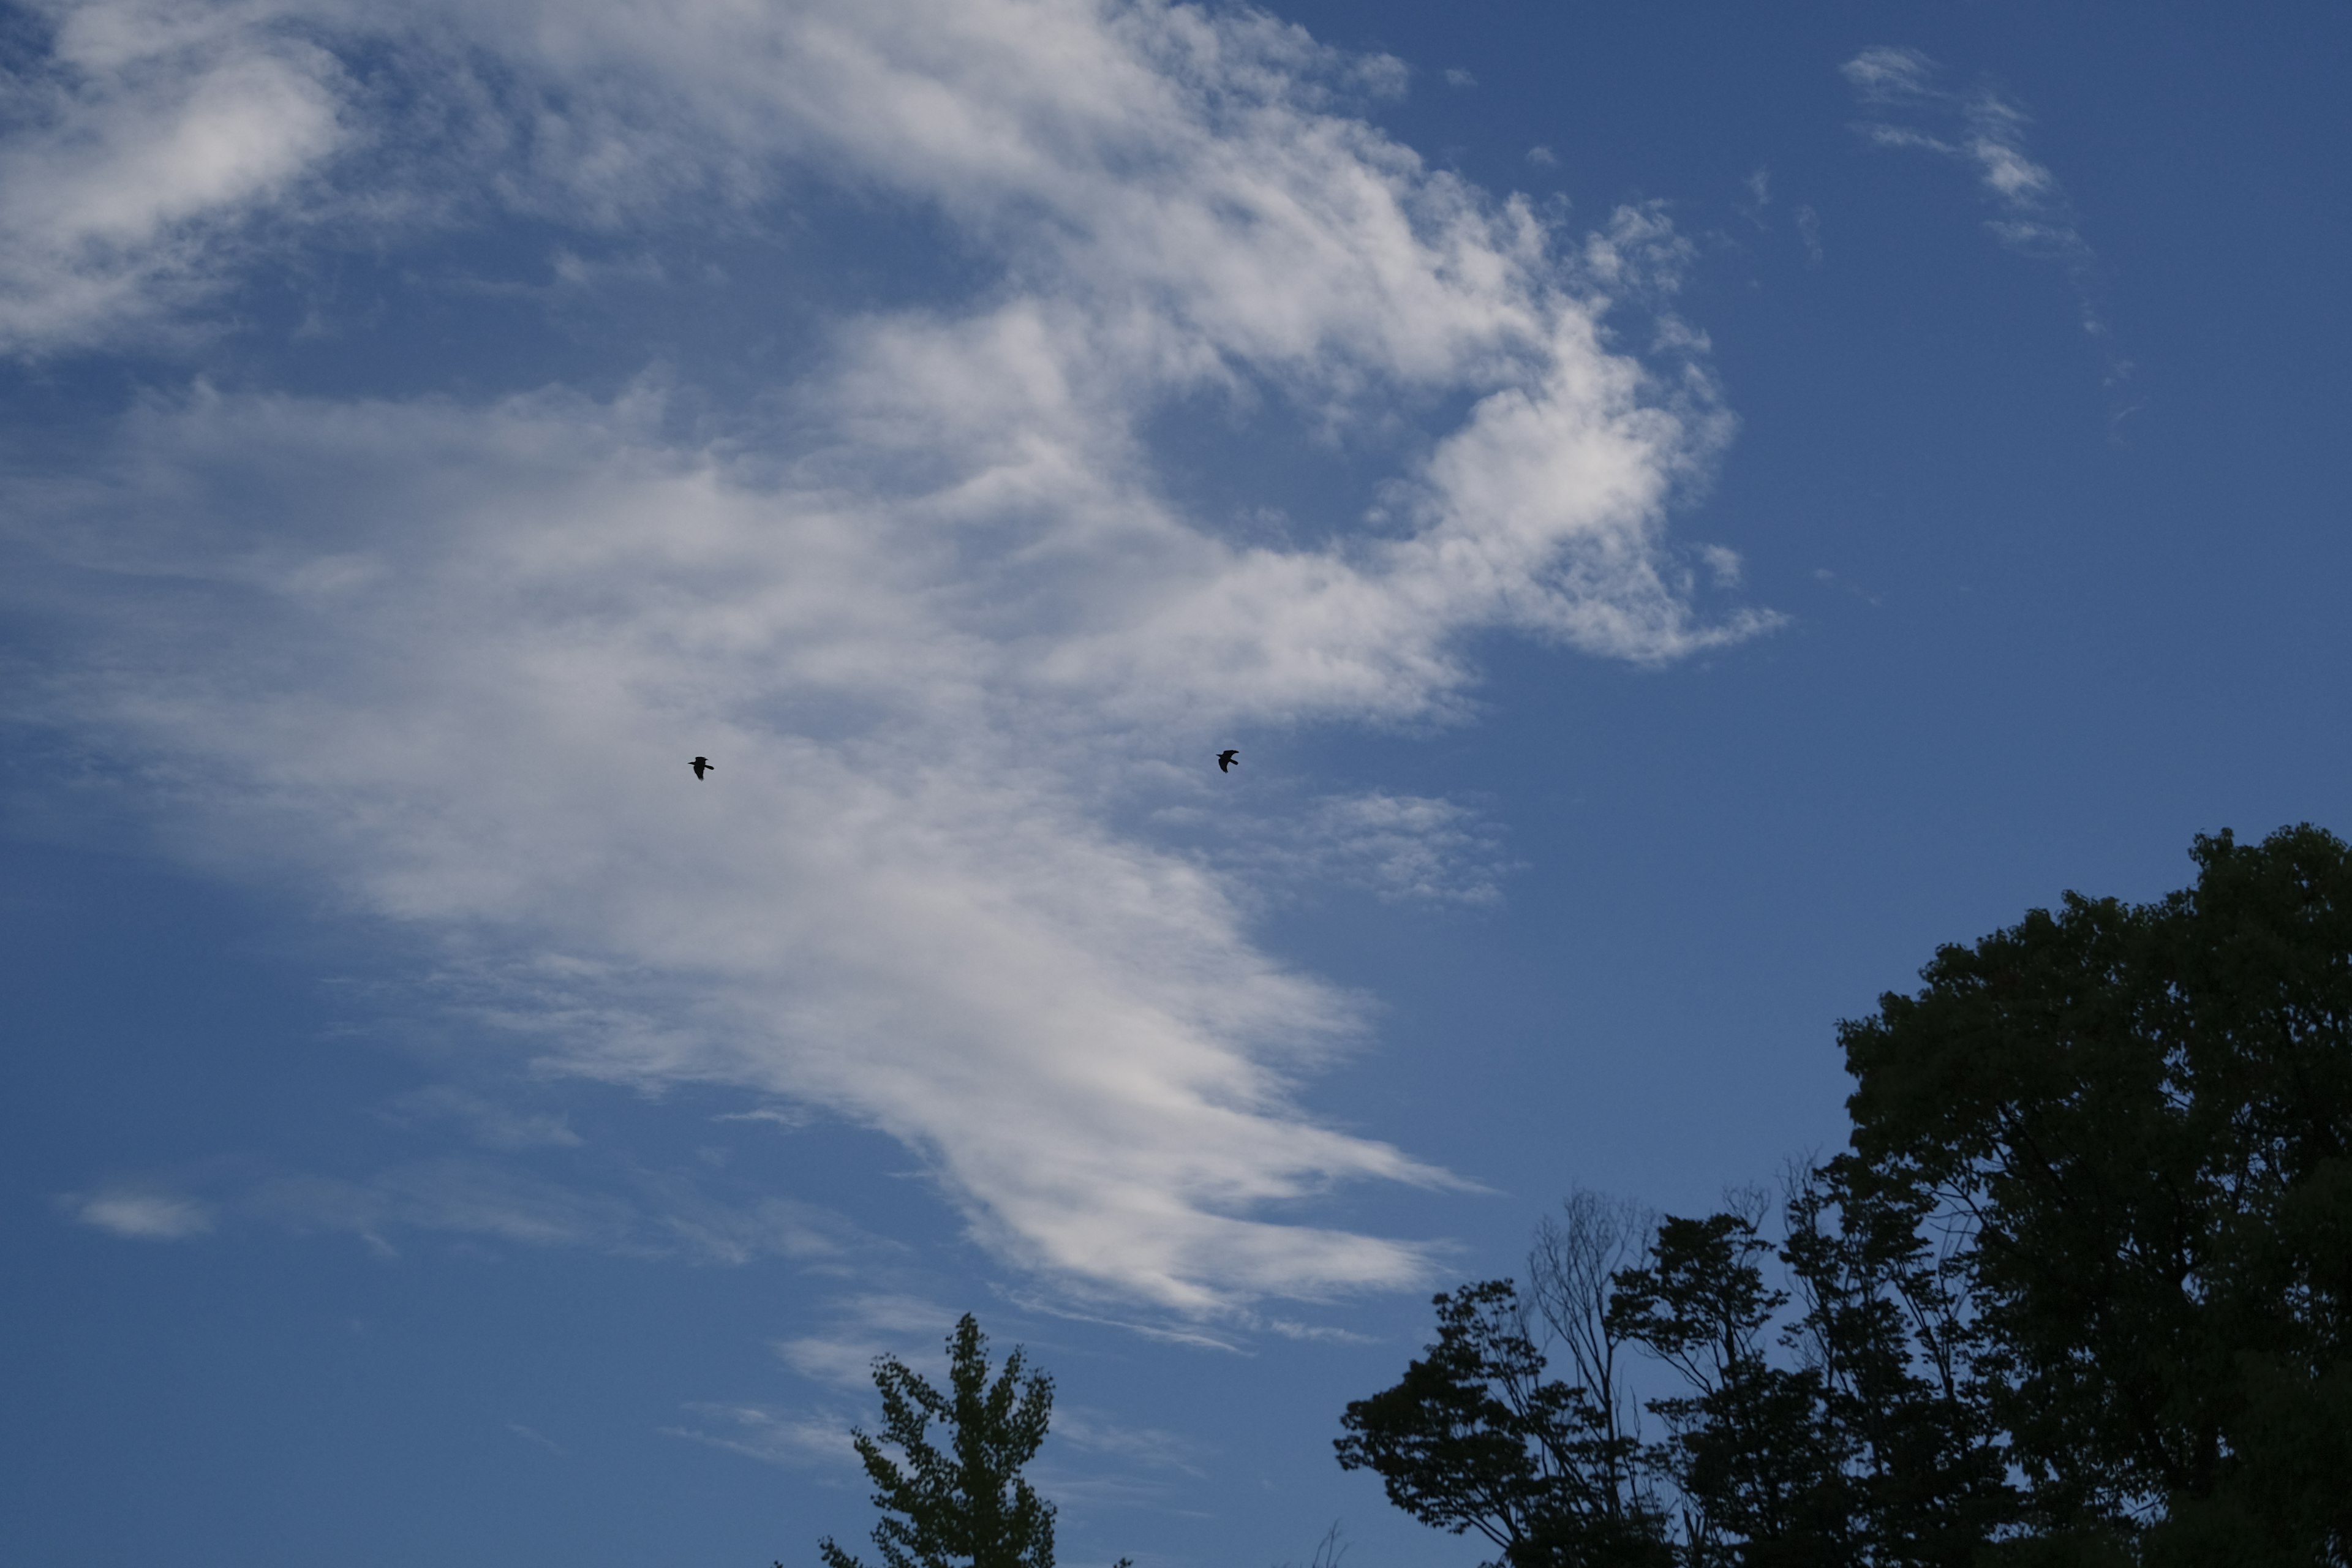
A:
{"x": 1413, "y": 847}
{"x": 1093, "y": 1431}
{"x": 1888, "y": 73}
{"x": 1723, "y": 564}
{"x": 491, "y": 1125}
{"x": 791, "y": 1117}
{"x": 1984, "y": 131}
{"x": 1397, "y": 847}
{"x": 772, "y": 1436}
{"x": 146, "y": 150}
{"x": 940, "y": 632}
{"x": 666, "y": 1217}
{"x": 1808, "y": 232}
{"x": 1322, "y": 1332}
{"x": 1978, "y": 128}
{"x": 872, "y": 1324}
{"x": 658, "y": 1217}
{"x": 140, "y": 1214}
{"x": 1640, "y": 252}
{"x": 537, "y": 1438}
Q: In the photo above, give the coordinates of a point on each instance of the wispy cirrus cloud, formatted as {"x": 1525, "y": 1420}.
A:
{"x": 783, "y": 1438}
{"x": 864, "y": 1326}
{"x": 1398, "y": 847}
{"x": 1142, "y": 1447}
{"x": 647, "y": 1215}
{"x": 1092, "y": 1456}
{"x": 537, "y": 1438}
{"x": 475, "y": 1198}
{"x": 931, "y": 603}
{"x": 1979, "y": 128}
{"x": 141, "y": 1213}
{"x": 487, "y": 1122}
{"x": 1984, "y": 130}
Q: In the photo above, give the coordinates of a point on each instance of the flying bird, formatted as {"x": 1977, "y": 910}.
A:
{"x": 701, "y": 765}
{"x": 1225, "y": 761}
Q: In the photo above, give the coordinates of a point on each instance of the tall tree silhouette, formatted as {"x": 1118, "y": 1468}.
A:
{"x": 960, "y": 1502}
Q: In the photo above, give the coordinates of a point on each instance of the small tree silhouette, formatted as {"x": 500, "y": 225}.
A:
{"x": 964, "y": 1505}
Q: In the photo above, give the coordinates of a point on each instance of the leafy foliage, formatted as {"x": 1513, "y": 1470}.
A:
{"x": 1888, "y": 1332}
{"x": 1475, "y": 1438}
{"x": 1756, "y": 1461}
{"x": 2079, "y": 1293}
{"x": 2139, "y": 1120}
{"x": 964, "y": 1505}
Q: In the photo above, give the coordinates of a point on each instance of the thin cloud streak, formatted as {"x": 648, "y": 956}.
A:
{"x": 491, "y": 1125}
{"x": 937, "y": 628}
{"x": 141, "y": 1213}
{"x": 1980, "y": 129}
{"x": 1985, "y": 133}
{"x": 661, "y": 1216}
{"x": 493, "y": 1203}
{"x": 867, "y": 1325}
{"x": 785, "y": 1438}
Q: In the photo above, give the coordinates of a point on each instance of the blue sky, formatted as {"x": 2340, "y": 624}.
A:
{"x": 1681, "y": 511}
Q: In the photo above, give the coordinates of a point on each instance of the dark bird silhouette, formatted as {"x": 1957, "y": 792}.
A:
{"x": 1225, "y": 761}
{"x": 701, "y": 765}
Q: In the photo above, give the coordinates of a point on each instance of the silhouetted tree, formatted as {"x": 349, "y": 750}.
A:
{"x": 2080, "y": 1293}
{"x": 1759, "y": 1462}
{"x": 963, "y": 1504}
{"x": 1889, "y": 1333}
{"x": 1329, "y": 1553}
{"x": 2135, "y": 1123}
{"x": 1475, "y": 1436}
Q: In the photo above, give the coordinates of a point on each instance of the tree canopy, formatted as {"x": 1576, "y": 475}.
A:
{"x": 2139, "y": 1120}
{"x": 963, "y": 1503}
{"x": 2076, "y": 1292}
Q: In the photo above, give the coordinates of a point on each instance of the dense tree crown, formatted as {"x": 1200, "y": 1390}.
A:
{"x": 963, "y": 1504}
{"x": 2076, "y": 1293}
